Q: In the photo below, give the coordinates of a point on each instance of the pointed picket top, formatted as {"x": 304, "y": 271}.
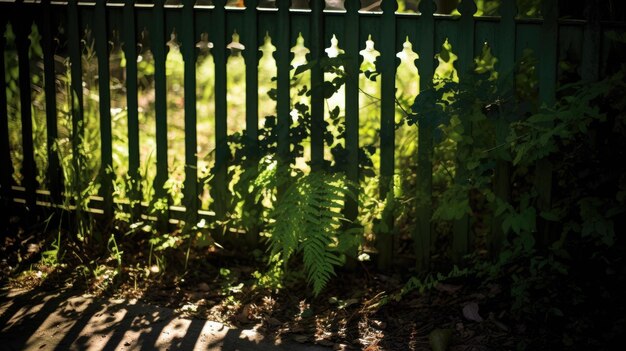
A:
{"x": 204, "y": 44}
{"x": 369, "y": 53}
{"x": 351, "y": 5}
{"x": 407, "y": 54}
{"x": 467, "y": 8}
{"x": 267, "y": 47}
{"x": 235, "y": 46}
{"x": 334, "y": 50}
{"x": 389, "y": 6}
{"x": 173, "y": 43}
{"x": 427, "y": 7}
{"x": 508, "y": 9}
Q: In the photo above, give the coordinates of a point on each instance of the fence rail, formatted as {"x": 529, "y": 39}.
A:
{"x": 508, "y": 36}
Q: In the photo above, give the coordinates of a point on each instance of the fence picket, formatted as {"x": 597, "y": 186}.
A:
{"x": 591, "y": 43}
{"x": 251, "y": 58}
{"x": 316, "y": 39}
{"x": 502, "y": 175}
{"x": 157, "y": 36}
{"x": 462, "y": 240}
{"x": 422, "y": 236}
{"x": 547, "y": 89}
{"x": 106, "y": 148}
{"x": 387, "y": 68}
{"x": 283, "y": 62}
{"x": 53, "y": 174}
{"x": 352, "y": 66}
{"x": 220, "y": 181}
{"x": 6, "y": 176}
{"x": 132, "y": 108}
{"x": 29, "y": 169}
{"x": 188, "y": 51}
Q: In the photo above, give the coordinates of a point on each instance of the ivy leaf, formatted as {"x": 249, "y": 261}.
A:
{"x": 305, "y": 67}
{"x": 328, "y": 89}
{"x": 550, "y": 216}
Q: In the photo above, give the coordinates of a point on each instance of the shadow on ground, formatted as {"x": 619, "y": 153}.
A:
{"x": 66, "y": 320}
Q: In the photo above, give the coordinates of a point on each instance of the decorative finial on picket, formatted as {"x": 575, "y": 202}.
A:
{"x": 389, "y": 6}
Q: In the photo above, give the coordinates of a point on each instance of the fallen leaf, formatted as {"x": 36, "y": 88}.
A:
{"x": 349, "y": 302}
{"x": 440, "y": 339}
{"x": 300, "y": 338}
{"x": 372, "y": 347}
{"x": 243, "y": 317}
{"x": 448, "y": 288}
{"x": 470, "y": 311}
{"x": 204, "y": 287}
{"x": 501, "y": 325}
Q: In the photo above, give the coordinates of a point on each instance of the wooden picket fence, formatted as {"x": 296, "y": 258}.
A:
{"x": 507, "y": 35}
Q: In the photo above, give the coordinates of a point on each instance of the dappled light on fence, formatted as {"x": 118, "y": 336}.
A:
{"x": 161, "y": 107}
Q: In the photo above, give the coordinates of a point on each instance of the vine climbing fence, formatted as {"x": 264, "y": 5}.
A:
{"x": 62, "y": 26}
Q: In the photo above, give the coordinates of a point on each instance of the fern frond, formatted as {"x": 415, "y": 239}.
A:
{"x": 308, "y": 219}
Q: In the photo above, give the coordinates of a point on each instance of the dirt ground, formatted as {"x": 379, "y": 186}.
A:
{"x": 66, "y": 320}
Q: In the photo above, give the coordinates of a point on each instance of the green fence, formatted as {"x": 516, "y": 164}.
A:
{"x": 62, "y": 25}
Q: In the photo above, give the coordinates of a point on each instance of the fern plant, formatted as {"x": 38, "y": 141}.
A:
{"x": 307, "y": 219}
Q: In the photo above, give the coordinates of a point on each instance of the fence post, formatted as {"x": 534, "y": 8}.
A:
{"x": 29, "y": 169}
{"x": 462, "y": 240}
{"x": 251, "y": 57}
{"x": 387, "y": 68}
{"x": 106, "y": 148}
{"x": 422, "y": 236}
{"x": 6, "y": 176}
{"x": 547, "y": 88}
{"x": 219, "y": 187}
{"x": 188, "y": 51}
{"x": 132, "y": 108}
{"x": 160, "y": 104}
{"x": 502, "y": 175}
